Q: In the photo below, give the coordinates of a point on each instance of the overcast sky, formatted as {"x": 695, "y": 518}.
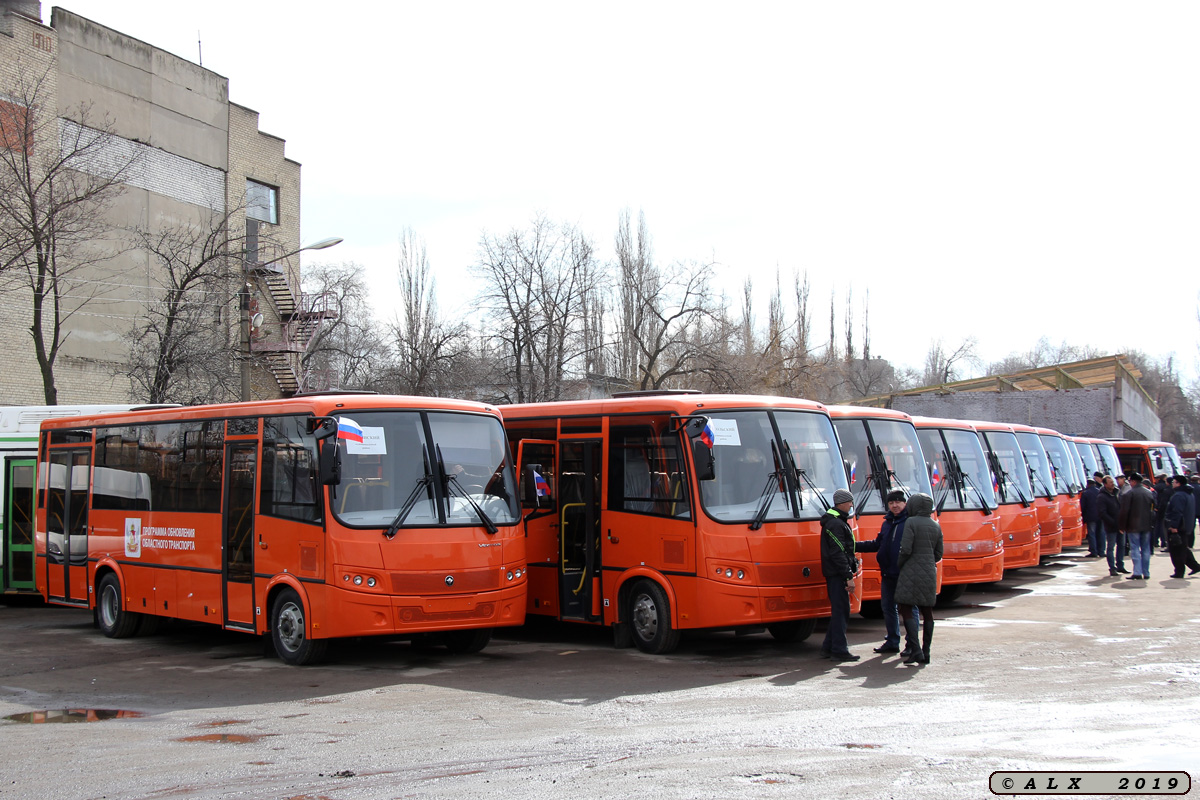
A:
{"x": 999, "y": 170}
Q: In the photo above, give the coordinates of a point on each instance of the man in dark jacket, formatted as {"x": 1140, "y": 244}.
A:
{"x": 1181, "y": 528}
{"x": 1110, "y": 520}
{"x": 1162, "y": 496}
{"x": 1089, "y": 505}
{"x": 839, "y": 566}
{"x": 1136, "y": 520}
{"x": 886, "y": 547}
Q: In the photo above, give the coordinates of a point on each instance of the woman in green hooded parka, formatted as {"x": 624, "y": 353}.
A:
{"x": 920, "y": 550}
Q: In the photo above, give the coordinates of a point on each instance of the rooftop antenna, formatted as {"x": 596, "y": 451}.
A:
{"x": 199, "y": 49}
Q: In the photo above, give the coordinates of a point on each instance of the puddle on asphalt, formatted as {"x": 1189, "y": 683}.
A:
{"x": 855, "y": 746}
{"x": 73, "y": 715}
{"x": 231, "y": 738}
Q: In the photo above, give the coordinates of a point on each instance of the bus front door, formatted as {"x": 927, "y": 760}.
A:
{"x": 18, "y": 525}
{"x": 241, "y": 462}
{"x": 67, "y": 527}
{"x": 579, "y": 527}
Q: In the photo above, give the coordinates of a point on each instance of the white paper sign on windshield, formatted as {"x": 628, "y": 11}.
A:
{"x": 373, "y": 443}
{"x": 725, "y": 432}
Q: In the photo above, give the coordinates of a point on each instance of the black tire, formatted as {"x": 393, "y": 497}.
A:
{"x": 114, "y": 620}
{"x": 794, "y": 631}
{"x": 650, "y": 619}
{"x": 871, "y": 609}
{"x": 950, "y": 594}
{"x": 468, "y": 641}
{"x": 289, "y": 631}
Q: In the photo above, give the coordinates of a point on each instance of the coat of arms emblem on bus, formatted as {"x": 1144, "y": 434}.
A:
{"x": 133, "y": 537}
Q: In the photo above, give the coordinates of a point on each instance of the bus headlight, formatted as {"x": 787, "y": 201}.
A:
{"x": 358, "y": 580}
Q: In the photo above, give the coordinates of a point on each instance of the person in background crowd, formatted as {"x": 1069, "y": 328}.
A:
{"x": 1181, "y": 528}
{"x": 1162, "y": 496}
{"x": 1136, "y": 520}
{"x": 886, "y": 546}
{"x": 1110, "y": 520}
{"x": 1089, "y": 506}
{"x": 916, "y": 585}
{"x": 839, "y": 566}
{"x": 1122, "y": 483}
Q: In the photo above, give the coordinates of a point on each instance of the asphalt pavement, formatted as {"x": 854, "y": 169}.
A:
{"x": 1057, "y": 667}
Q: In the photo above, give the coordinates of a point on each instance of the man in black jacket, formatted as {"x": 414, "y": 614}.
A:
{"x": 1110, "y": 520}
{"x": 1089, "y": 505}
{"x": 1162, "y": 496}
{"x": 1137, "y": 520}
{"x": 886, "y": 547}
{"x": 839, "y": 566}
{"x": 1181, "y": 528}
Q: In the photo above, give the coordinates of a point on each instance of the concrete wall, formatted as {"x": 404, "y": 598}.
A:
{"x": 194, "y": 152}
{"x": 1078, "y": 412}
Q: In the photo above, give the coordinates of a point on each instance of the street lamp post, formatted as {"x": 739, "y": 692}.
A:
{"x": 245, "y": 304}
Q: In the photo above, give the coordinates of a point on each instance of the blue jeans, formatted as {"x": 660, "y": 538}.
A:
{"x": 1115, "y": 547}
{"x": 1095, "y": 539}
{"x": 891, "y": 613}
{"x": 839, "y": 617}
{"x": 1139, "y": 552}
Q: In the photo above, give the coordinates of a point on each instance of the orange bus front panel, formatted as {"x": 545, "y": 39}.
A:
{"x": 972, "y": 547}
{"x": 1021, "y": 534}
{"x": 1050, "y": 526}
{"x": 1073, "y": 529}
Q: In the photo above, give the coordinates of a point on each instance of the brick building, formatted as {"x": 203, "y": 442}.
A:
{"x": 198, "y": 157}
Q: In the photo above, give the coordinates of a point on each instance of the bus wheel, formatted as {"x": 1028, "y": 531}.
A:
{"x": 650, "y": 619}
{"x": 115, "y": 622}
{"x": 794, "y": 631}
{"x": 149, "y": 624}
{"x": 949, "y": 594}
{"x": 469, "y": 641}
{"x": 288, "y": 631}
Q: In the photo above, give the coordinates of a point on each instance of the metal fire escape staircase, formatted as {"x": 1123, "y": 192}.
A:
{"x": 299, "y": 324}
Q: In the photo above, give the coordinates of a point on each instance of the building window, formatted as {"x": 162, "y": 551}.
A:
{"x": 262, "y": 202}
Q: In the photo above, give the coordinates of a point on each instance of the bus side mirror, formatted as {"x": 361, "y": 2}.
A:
{"x": 321, "y": 427}
{"x": 702, "y": 457}
{"x": 330, "y": 461}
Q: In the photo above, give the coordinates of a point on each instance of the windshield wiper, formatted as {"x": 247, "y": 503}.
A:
{"x": 1033, "y": 474}
{"x": 803, "y": 477}
{"x": 966, "y": 479}
{"x": 764, "y": 500}
{"x": 424, "y": 482}
{"x": 451, "y": 481}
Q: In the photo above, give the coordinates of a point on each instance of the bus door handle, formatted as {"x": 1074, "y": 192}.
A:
{"x": 611, "y": 538}
{"x": 261, "y": 543}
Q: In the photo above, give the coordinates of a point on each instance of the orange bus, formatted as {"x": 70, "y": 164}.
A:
{"x": 670, "y": 511}
{"x": 965, "y": 499}
{"x": 1045, "y": 496}
{"x": 1105, "y": 455}
{"x": 1067, "y": 485}
{"x": 1010, "y": 475}
{"x": 1151, "y": 459}
{"x": 882, "y": 453}
{"x": 304, "y": 519}
{"x": 1085, "y": 458}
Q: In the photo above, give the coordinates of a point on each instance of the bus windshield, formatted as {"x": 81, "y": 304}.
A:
{"x": 417, "y": 468}
{"x": 883, "y": 454}
{"x": 1165, "y": 460}
{"x": 1014, "y": 482}
{"x": 1040, "y": 474}
{"x": 772, "y": 466}
{"x": 1060, "y": 463}
{"x": 1107, "y": 455}
{"x": 972, "y": 489}
{"x": 1087, "y": 458}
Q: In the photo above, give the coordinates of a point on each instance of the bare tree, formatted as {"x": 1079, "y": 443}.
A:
{"x": 536, "y": 281}
{"x": 180, "y": 350}
{"x": 426, "y": 346}
{"x": 346, "y": 350}
{"x": 57, "y": 177}
{"x": 943, "y": 365}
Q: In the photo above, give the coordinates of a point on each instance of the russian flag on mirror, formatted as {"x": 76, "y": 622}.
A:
{"x": 349, "y": 430}
{"x": 539, "y": 483}
{"x": 937, "y": 475}
{"x": 707, "y": 436}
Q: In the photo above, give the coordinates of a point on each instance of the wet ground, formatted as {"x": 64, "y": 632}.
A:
{"x": 1056, "y": 667}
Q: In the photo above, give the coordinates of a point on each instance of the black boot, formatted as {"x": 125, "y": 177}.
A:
{"x": 927, "y": 635}
{"x": 915, "y": 655}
